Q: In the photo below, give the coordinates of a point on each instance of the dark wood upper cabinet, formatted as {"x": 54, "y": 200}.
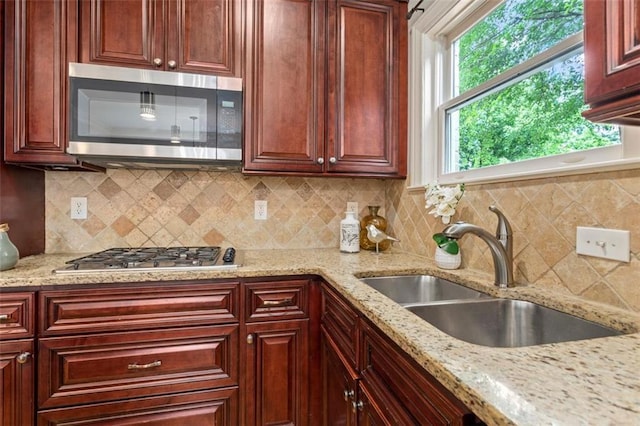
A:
{"x": 199, "y": 36}
{"x": 40, "y": 38}
{"x": 367, "y": 96}
{"x": 612, "y": 61}
{"x": 326, "y": 88}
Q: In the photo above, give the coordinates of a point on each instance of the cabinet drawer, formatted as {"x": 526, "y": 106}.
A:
{"x": 104, "y": 367}
{"x": 277, "y": 300}
{"x": 90, "y": 310}
{"x": 16, "y": 315}
{"x": 387, "y": 371}
{"x": 208, "y": 408}
{"x": 340, "y": 321}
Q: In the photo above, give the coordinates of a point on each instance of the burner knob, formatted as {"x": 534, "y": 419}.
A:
{"x": 229, "y": 255}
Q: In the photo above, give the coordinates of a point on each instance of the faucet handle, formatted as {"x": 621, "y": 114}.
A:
{"x": 503, "y": 231}
{"x": 504, "y": 228}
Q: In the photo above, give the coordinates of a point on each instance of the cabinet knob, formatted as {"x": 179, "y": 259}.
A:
{"x": 333, "y": 160}
{"x": 157, "y": 62}
{"x": 357, "y": 406}
{"x": 23, "y": 357}
{"x": 172, "y": 64}
{"x": 250, "y": 339}
{"x": 348, "y": 394}
{"x": 4, "y": 318}
{"x": 320, "y": 160}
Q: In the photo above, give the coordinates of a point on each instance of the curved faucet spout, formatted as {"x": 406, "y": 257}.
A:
{"x": 502, "y": 262}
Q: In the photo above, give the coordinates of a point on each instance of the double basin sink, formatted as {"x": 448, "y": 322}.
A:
{"x": 478, "y": 318}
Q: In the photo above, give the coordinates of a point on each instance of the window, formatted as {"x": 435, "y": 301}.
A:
{"x": 511, "y": 97}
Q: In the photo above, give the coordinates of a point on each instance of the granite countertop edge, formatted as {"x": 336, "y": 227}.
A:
{"x": 500, "y": 385}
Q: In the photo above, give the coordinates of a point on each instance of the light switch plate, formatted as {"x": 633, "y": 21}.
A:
{"x": 352, "y": 206}
{"x": 605, "y": 243}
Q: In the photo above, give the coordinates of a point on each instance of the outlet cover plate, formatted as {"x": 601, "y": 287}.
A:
{"x": 78, "y": 208}
{"x": 260, "y": 210}
{"x": 601, "y": 242}
{"x": 352, "y": 206}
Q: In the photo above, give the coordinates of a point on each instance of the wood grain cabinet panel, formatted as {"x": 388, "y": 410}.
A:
{"x": 200, "y": 36}
{"x": 40, "y": 38}
{"x": 284, "y": 96}
{"x": 339, "y": 385}
{"x": 612, "y": 61}
{"x": 206, "y": 408}
{"x": 17, "y": 374}
{"x": 276, "y": 300}
{"x": 17, "y": 315}
{"x": 151, "y": 307}
{"x": 340, "y": 321}
{"x": 106, "y": 367}
{"x": 277, "y": 373}
{"x": 367, "y": 87}
{"x": 326, "y": 88}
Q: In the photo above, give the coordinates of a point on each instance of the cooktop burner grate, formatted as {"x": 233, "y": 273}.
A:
{"x": 154, "y": 258}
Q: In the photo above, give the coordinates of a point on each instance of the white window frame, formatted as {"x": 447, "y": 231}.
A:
{"x": 430, "y": 34}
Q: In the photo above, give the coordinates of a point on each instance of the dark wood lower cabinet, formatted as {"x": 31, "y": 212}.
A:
{"x": 207, "y": 408}
{"x": 268, "y": 351}
{"x": 387, "y": 387}
{"x": 339, "y": 385}
{"x": 16, "y": 383}
{"x": 277, "y": 373}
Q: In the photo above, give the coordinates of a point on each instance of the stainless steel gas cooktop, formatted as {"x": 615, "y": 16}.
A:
{"x": 146, "y": 259}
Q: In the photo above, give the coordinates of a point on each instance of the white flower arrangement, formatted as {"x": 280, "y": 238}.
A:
{"x": 443, "y": 199}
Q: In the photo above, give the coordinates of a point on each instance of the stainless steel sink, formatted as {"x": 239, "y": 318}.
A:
{"x": 418, "y": 289}
{"x": 508, "y": 323}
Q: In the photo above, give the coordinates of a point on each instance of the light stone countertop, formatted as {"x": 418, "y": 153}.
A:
{"x": 584, "y": 382}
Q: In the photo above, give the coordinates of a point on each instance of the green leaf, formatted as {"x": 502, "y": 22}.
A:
{"x": 445, "y": 243}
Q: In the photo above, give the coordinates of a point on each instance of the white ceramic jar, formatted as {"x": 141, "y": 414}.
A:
{"x": 350, "y": 234}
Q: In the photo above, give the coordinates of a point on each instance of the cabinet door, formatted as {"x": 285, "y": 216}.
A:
{"x": 122, "y": 32}
{"x": 276, "y": 373}
{"x": 612, "y": 60}
{"x": 339, "y": 385}
{"x": 284, "y": 108}
{"x": 366, "y": 129}
{"x": 16, "y": 383}
{"x": 40, "y": 39}
{"x": 204, "y": 36}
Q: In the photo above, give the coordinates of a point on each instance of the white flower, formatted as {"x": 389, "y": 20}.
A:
{"x": 443, "y": 199}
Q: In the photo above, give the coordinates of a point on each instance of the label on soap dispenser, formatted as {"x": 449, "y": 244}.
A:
{"x": 350, "y": 234}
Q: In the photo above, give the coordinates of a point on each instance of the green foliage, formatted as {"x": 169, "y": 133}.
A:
{"x": 538, "y": 116}
{"x": 445, "y": 243}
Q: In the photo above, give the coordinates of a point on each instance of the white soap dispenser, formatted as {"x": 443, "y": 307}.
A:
{"x": 350, "y": 234}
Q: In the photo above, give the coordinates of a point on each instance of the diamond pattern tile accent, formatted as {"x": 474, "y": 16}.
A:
{"x": 163, "y": 207}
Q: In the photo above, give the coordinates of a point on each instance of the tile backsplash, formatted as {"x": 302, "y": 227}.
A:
{"x": 163, "y": 208}
{"x": 135, "y": 208}
{"x": 544, "y": 214}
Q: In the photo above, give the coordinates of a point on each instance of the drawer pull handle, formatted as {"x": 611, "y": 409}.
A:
{"x": 137, "y": 366}
{"x": 282, "y": 302}
{"x": 23, "y": 357}
{"x": 4, "y": 317}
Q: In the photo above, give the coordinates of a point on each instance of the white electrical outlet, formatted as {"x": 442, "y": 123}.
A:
{"x": 600, "y": 242}
{"x": 78, "y": 208}
{"x": 260, "y": 212}
{"x": 352, "y": 206}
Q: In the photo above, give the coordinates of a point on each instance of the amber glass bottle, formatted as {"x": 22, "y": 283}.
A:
{"x": 377, "y": 221}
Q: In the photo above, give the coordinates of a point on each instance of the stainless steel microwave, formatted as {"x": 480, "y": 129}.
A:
{"x": 136, "y": 118}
